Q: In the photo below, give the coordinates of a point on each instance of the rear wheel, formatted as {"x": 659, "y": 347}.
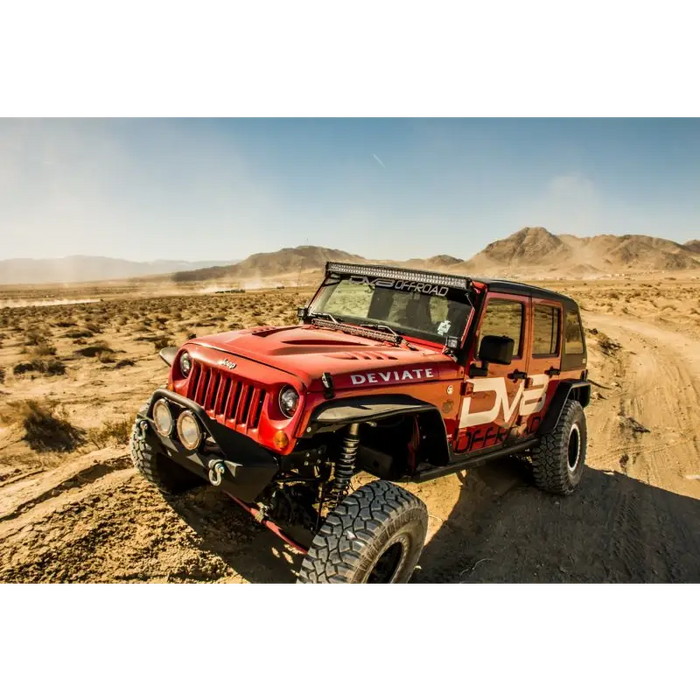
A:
{"x": 167, "y": 476}
{"x": 559, "y": 460}
{"x": 375, "y": 535}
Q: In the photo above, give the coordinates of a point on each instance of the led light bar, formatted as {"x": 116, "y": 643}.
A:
{"x": 398, "y": 273}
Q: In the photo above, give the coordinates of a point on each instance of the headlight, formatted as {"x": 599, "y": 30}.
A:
{"x": 185, "y": 363}
{"x": 188, "y": 430}
{"x": 289, "y": 400}
{"x": 162, "y": 417}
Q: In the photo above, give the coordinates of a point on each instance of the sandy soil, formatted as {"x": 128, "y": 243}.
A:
{"x": 82, "y": 513}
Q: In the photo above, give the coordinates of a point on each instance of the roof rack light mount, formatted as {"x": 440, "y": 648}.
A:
{"x": 399, "y": 273}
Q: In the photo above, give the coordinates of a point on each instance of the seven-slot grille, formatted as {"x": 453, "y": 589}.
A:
{"x": 227, "y": 399}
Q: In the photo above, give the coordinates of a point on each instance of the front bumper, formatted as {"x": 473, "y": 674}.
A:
{"x": 230, "y": 460}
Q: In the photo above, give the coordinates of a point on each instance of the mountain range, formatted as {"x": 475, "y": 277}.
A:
{"x": 529, "y": 253}
{"x": 85, "y": 268}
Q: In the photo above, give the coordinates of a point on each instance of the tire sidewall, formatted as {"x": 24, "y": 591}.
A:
{"x": 575, "y": 419}
{"x": 407, "y": 529}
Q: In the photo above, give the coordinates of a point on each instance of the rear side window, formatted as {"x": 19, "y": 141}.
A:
{"x": 547, "y": 322}
{"x": 503, "y": 317}
{"x": 573, "y": 334}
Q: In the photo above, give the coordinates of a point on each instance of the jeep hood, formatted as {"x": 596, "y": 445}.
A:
{"x": 353, "y": 361}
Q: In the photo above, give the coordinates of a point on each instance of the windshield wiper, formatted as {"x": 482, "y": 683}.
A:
{"x": 380, "y": 327}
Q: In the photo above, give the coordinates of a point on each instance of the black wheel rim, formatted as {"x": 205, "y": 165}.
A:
{"x": 388, "y": 564}
{"x": 574, "y": 448}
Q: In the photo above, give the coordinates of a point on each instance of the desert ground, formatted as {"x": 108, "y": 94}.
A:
{"x": 77, "y": 361}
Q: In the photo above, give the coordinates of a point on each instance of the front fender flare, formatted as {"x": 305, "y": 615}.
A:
{"x": 337, "y": 413}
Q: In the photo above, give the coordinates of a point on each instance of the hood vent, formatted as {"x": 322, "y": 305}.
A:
{"x": 363, "y": 355}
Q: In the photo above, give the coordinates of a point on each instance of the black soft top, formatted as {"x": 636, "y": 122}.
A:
{"x": 527, "y": 290}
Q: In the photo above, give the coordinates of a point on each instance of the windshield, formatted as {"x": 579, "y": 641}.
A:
{"x": 424, "y": 311}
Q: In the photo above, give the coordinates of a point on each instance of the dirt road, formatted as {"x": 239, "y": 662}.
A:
{"x": 636, "y": 516}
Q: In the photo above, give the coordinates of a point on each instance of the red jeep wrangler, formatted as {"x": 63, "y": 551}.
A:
{"x": 403, "y": 374}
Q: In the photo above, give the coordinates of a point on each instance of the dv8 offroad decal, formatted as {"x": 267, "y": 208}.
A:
{"x": 402, "y": 285}
{"x": 481, "y": 427}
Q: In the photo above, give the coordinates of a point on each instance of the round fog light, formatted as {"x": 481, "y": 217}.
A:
{"x": 188, "y": 430}
{"x": 162, "y": 417}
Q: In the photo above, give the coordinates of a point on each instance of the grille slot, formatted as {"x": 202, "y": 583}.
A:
{"x": 227, "y": 399}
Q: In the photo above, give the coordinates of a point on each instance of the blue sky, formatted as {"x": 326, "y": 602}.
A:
{"x": 223, "y": 189}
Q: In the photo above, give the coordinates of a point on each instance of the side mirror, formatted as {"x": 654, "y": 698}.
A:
{"x": 497, "y": 349}
{"x": 302, "y": 314}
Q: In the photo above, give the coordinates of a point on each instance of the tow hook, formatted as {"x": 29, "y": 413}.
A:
{"x": 141, "y": 430}
{"x": 217, "y": 469}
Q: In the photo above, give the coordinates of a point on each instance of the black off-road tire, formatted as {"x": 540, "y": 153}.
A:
{"x": 375, "y": 535}
{"x": 167, "y": 476}
{"x": 559, "y": 460}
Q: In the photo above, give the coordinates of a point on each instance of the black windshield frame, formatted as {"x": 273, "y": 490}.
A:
{"x": 459, "y": 303}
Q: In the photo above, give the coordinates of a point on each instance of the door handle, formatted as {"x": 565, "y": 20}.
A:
{"x": 517, "y": 375}
{"x": 552, "y": 371}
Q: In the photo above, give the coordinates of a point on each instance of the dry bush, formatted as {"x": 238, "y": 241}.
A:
{"x": 47, "y": 428}
{"x": 116, "y": 432}
{"x": 127, "y": 362}
{"x": 42, "y": 349}
{"x": 106, "y": 356}
{"x": 2, "y": 375}
{"x": 162, "y": 342}
{"x": 94, "y": 350}
{"x": 35, "y": 337}
{"x": 51, "y": 367}
{"x": 79, "y": 333}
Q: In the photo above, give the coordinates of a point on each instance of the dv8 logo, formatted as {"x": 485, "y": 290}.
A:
{"x": 525, "y": 402}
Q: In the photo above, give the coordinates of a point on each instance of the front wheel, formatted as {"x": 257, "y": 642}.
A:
{"x": 375, "y": 535}
{"x": 559, "y": 460}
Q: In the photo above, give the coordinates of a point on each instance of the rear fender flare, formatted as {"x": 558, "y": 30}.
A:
{"x": 579, "y": 390}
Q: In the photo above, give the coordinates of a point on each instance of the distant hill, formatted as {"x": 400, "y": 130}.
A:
{"x": 536, "y": 250}
{"x": 693, "y": 246}
{"x": 84, "y": 268}
{"x": 287, "y": 264}
{"x": 530, "y": 252}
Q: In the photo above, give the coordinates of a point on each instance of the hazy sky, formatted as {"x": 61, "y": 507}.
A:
{"x": 222, "y": 189}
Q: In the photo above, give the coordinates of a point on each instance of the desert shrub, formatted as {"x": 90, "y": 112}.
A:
{"x": 124, "y": 363}
{"x": 2, "y": 375}
{"x": 50, "y": 367}
{"x": 106, "y": 356}
{"x": 162, "y": 342}
{"x": 116, "y": 432}
{"x": 35, "y": 336}
{"x": 79, "y": 333}
{"x": 64, "y": 324}
{"x": 43, "y": 349}
{"x": 47, "y": 428}
{"x": 93, "y": 327}
{"x": 94, "y": 350}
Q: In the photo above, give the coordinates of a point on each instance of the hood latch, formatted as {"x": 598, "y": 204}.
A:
{"x": 327, "y": 381}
